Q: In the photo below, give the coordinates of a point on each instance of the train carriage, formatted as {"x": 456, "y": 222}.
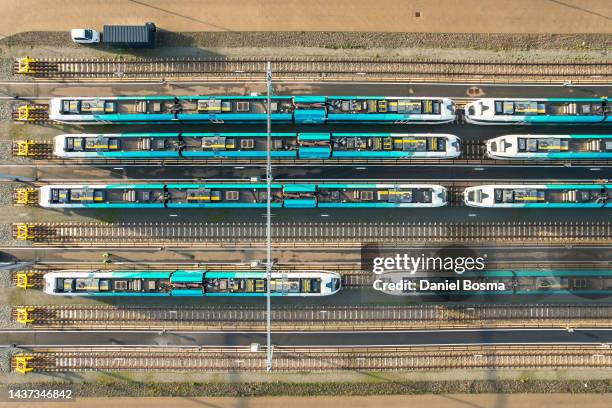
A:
{"x": 243, "y": 195}
{"x": 504, "y": 282}
{"x": 196, "y": 283}
{"x": 296, "y": 146}
{"x": 539, "y": 196}
{"x": 550, "y": 147}
{"x": 304, "y": 109}
{"x": 538, "y": 111}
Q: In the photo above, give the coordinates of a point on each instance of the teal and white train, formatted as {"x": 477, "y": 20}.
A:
{"x": 243, "y": 195}
{"x": 550, "y": 147}
{"x": 539, "y": 196}
{"x": 297, "y": 146}
{"x": 543, "y": 111}
{"x": 498, "y": 282}
{"x": 298, "y": 109}
{"x": 194, "y": 283}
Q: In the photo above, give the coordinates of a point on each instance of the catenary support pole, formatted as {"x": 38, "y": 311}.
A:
{"x": 269, "y": 219}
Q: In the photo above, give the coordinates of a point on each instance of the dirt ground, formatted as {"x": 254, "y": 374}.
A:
{"x": 399, "y": 401}
{"x": 451, "y": 16}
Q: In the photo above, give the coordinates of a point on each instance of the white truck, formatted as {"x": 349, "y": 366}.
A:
{"x": 85, "y": 36}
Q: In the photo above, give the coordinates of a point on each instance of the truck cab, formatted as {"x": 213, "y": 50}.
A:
{"x": 85, "y": 36}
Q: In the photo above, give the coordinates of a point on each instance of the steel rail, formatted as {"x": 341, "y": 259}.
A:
{"x": 353, "y": 274}
{"x": 290, "y": 359}
{"x": 317, "y": 67}
{"x": 291, "y": 234}
{"x": 319, "y": 317}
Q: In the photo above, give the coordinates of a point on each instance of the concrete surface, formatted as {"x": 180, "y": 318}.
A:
{"x": 507, "y": 16}
{"x": 400, "y": 338}
{"x": 395, "y": 401}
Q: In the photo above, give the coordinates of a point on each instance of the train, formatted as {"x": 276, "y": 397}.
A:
{"x": 498, "y": 282}
{"x": 304, "y": 109}
{"x": 243, "y": 195}
{"x": 539, "y": 196}
{"x": 538, "y": 111}
{"x": 253, "y": 145}
{"x": 551, "y": 147}
{"x": 194, "y": 283}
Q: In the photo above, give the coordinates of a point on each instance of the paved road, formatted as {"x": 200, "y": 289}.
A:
{"x": 29, "y": 338}
{"x": 447, "y": 16}
{"x": 391, "y": 401}
{"x": 435, "y": 173}
{"x": 238, "y": 255}
{"x": 30, "y": 89}
{"x": 364, "y": 215}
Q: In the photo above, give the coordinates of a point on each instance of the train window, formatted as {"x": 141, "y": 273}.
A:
{"x": 198, "y": 194}
{"x": 508, "y": 108}
{"x": 532, "y": 145}
{"x": 579, "y": 283}
{"x": 416, "y": 145}
{"x": 61, "y": 196}
{"x": 499, "y": 194}
{"x": 121, "y": 285}
{"x": 104, "y": 285}
{"x": 247, "y": 143}
{"x": 522, "y": 144}
{"x": 99, "y": 195}
{"x": 212, "y": 105}
{"x": 213, "y": 142}
{"x": 159, "y": 144}
{"x": 366, "y": 195}
{"x": 78, "y": 144}
{"x": 232, "y": 195}
{"x": 114, "y": 144}
{"x": 584, "y": 196}
{"x": 69, "y": 106}
{"x": 67, "y": 285}
{"x": 278, "y": 144}
{"x": 110, "y": 107}
{"x": 499, "y": 107}
{"x": 243, "y": 106}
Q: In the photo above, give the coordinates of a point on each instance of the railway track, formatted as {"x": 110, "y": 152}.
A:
{"x": 473, "y": 153}
{"x": 287, "y": 234}
{"x": 455, "y": 189}
{"x": 316, "y": 68}
{"x": 317, "y": 317}
{"x": 291, "y": 359}
{"x": 354, "y": 275}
